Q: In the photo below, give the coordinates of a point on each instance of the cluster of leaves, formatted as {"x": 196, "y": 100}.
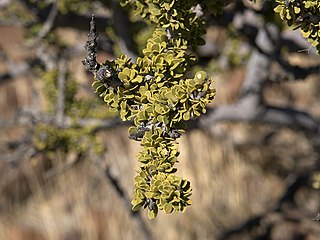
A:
{"x": 153, "y": 93}
{"x": 48, "y": 137}
{"x": 177, "y": 17}
{"x": 304, "y": 14}
{"x": 50, "y": 90}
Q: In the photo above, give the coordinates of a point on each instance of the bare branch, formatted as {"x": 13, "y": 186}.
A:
{"x": 249, "y": 24}
{"x": 14, "y": 69}
{"x": 122, "y": 194}
{"x": 278, "y": 116}
{"x": 28, "y": 118}
{"x": 251, "y": 107}
{"x": 47, "y": 25}
{"x": 48, "y": 59}
{"x": 61, "y": 91}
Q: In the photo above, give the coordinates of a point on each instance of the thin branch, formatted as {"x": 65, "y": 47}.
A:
{"x": 244, "y": 112}
{"x": 292, "y": 72}
{"x": 251, "y": 106}
{"x": 105, "y": 170}
{"x": 294, "y": 183}
{"x": 256, "y": 77}
{"x": 48, "y": 59}
{"x": 28, "y": 118}
{"x": 122, "y": 194}
{"x": 61, "y": 91}
{"x": 15, "y": 69}
{"x": 249, "y": 25}
{"x": 294, "y": 42}
{"x": 47, "y": 25}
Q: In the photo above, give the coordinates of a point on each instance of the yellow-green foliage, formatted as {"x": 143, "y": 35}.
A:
{"x": 177, "y": 17}
{"x": 73, "y": 139}
{"x": 154, "y": 94}
{"x": 50, "y": 81}
{"x": 74, "y": 108}
{"x": 304, "y": 14}
{"x": 316, "y": 180}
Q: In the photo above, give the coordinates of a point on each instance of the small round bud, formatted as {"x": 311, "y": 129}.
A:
{"x": 200, "y": 76}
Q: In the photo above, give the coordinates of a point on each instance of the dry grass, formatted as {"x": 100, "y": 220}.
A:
{"x": 81, "y": 202}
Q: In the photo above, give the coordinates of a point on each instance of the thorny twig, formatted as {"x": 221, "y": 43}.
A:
{"x": 90, "y": 61}
{"x": 103, "y": 72}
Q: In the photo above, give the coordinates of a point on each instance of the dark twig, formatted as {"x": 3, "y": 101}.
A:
{"x": 122, "y": 27}
{"x": 248, "y": 112}
{"x": 249, "y": 25}
{"x": 292, "y": 72}
{"x": 90, "y": 61}
{"x": 120, "y": 191}
{"x": 246, "y": 226}
{"x": 251, "y": 106}
{"x": 122, "y": 194}
{"x": 294, "y": 183}
{"x": 104, "y": 73}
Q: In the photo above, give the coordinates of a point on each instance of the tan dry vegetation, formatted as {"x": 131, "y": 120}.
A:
{"x": 228, "y": 188}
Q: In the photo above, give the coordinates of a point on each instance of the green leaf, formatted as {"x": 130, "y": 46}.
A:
{"x": 132, "y": 130}
{"x": 152, "y": 214}
{"x": 136, "y": 207}
{"x": 278, "y": 8}
{"x": 167, "y": 208}
{"x": 151, "y": 194}
{"x": 186, "y": 116}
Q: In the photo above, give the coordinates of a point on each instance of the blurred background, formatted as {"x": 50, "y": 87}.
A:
{"x": 67, "y": 164}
